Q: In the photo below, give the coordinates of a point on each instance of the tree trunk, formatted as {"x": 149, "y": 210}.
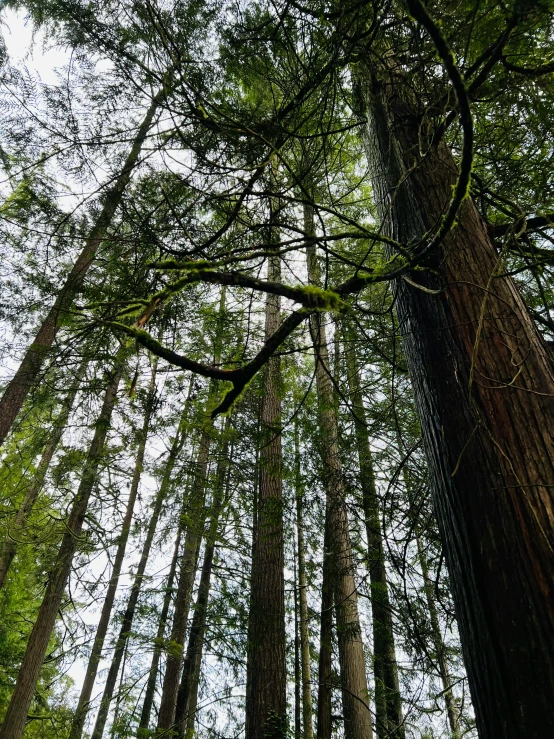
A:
{"x": 10, "y": 546}
{"x": 16, "y": 715}
{"x": 162, "y": 625}
{"x": 34, "y": 357}
{"x": 438, "y": 643}
{"x": 325, "y": 664}
{"x": 187, "y": 698}
{"x": 484, "y": 392}
{"x": 355, "y": 695}
{"x": 105, "y": 615}
{"x": 307, "y": 718}
{"x": 266, "y": 668}
{"x": 129, "y": 614}
{"x": 196, "y": 515}
{"x": 388, "y": 704}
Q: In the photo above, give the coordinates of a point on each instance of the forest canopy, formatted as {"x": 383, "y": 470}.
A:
{"x": 276, "y": 371}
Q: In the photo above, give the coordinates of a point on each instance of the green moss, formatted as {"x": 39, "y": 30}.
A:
{"x": 322, "y": 300}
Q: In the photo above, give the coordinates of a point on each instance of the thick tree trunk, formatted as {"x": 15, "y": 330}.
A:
{"x": 388, "y": 704}
{"x": 325, "y": 662}
{"x": 307, "y": 718}
{"x": 105, "y": 615}
{"x": 157, "y": 653}
{"x": 187, "y": 698}
{"x": 484, "y": 391}
{"x": 266, "y": 668}
{"x": 438, "y": 643}
{"x": 34, "y": 357}
{"x": 16, "y": 715}
{"x": 10, "y": 546}
{"x": 355, "y": 695}
{"x": 129, "y": 614}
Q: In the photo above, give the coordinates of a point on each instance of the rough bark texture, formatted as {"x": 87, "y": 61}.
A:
{"x": 266, "y": 670}
{"x": 105, "y": 615}
{"x": 484, "y": 391}
{"x": 10, "y": 546}
{"x": 129, "y": 614}
{"x": 438, "y": 643}
{"x": 355, "y": 695}
{"x": 16, "y": 715}
{"x": 388, "y": 704}
{"x": 157, "y": 653}
{"x": 28, "y": 371}
{"x": 307, "y": 718}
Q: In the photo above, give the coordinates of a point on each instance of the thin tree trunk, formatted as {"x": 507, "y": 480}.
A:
{"x": 105, "y": 615}
{"x": 325, "y": 664}
{"x": 297, "y": 666}
{"x": 188, "y": 690}
{"x": 388, "y": 704}
{"x": 307, "y": 718}
{"x": 129, "y": 614}
{"x": 266, "y": 667}
{"x": 484, "y": 391}
{"x": 196, "y": 514}
{"x": 16, "y": 715}
{"x": 355, "y": 695}
{"x": 193, "y": 539}
{"x": 10, "y": 546}
{"x": 438, "y": 643}
{"x": 34, "y": 357}
{"x": 162, "y": 625}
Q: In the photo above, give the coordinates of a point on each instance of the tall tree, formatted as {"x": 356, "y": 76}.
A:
{"x": 129, "y": 615}
{"x": 355, "y": 694}
{"x": 105, "y": 615}
{"x": 484, "y": 390}
{"x": 187, "y": 698}
{"x": 307, "y": 718}
{"x": 16, "y": 715}
{"x": 266, "y": 670}
{"x": 388, "y": 706}
{"x": 195, "y": 517}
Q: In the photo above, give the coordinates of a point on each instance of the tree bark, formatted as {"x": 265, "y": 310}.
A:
{"x": 28, "y": 371}
{"x": 266, "y": 668}
{"x": 307, "y": 718}
{"x": 388, "y": 704}
{"x": 129, "y": 614}
{"x": 9, "y": 549}
{"x": 187, "y": 698}
{"x": 162, "y": 625}
{"x": 484, "y": 392}
{"x": 355, "y": 695}
{"x": 16, "y": 715}
{"x": 96, "y": 653}
{"x": 196, "y": 515}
